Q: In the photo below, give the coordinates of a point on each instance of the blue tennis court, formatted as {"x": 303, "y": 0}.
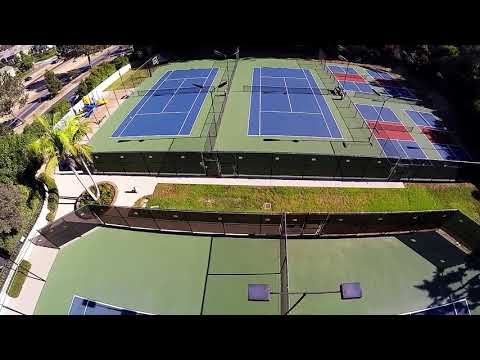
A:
{"x": 379, "y": 74}
{"x": 426, "y": 119}
{"x": 337, "y": 69}
{"x": 171, "y": 107}
{"x": 403, "y": 149}
{"x": 288, "y": 102}
{"x": 372, "y": 113}
{"x": 459, "y": 307}
{"x": 356, "y": 86}
{"x": 82, "y": 306}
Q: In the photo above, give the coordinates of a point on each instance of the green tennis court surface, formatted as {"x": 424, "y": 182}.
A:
{"x": 295, "y": 132}
{"x": 182, "y": 274}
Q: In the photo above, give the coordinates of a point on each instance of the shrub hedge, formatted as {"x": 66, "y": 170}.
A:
{"x": 19, "y": 279}
{"x": 53, "y": 197}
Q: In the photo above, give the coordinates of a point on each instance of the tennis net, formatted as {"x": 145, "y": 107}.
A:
{"x": 163, "y": 92}
{"x": 286, "y": 90}
{"x": 284, "y": 301}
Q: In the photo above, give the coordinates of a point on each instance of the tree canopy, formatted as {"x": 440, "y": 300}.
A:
{"x": 10, "y": 202}
{"x": 12, "y": 92}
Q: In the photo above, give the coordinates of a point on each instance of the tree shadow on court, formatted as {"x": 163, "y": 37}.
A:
{"x": 457, "y": 274}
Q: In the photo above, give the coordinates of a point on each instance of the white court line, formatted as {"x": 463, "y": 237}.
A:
{"x": 288, "y": 96}
{"x": 438, "y": 306}
{"x": 194, "y": 102}
{"x": 319, "y": 107}
{"x": 71, "y": 304}
{"x": 109, "y": 305}
{"x": 126, "y": 126}
{"x": 260, "y": 106}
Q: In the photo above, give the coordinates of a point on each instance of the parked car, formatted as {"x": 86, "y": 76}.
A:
{"x": 28, "y": 78}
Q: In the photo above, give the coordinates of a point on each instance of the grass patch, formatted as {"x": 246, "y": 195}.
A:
{"x": 413, "y": 197}
{"x": 107, "y": 195}
{"x": 131, "y": 79}
{"x": 19, "y": 279}
{"x": 46, "y": 55}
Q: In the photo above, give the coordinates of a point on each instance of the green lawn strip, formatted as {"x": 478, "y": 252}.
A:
{"x": 18, "y": 279}
{"x": 46, "y": 55}
{"x": 132, "y": 78}
{"x": 251, "y": 199}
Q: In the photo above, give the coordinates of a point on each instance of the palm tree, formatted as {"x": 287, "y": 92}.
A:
{"x": 62, "y": 143}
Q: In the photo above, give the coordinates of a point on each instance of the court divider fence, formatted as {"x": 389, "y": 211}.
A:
{"x": 276, "y": 225}
{"x": 283, "y": 165}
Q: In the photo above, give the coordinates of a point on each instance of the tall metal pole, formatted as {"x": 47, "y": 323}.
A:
{"x": 376, "y": 122}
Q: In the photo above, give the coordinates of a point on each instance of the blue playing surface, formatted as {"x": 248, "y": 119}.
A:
{"x": 379, "y": 74}
{"x": 337, "y": 69}
{"x": 451, "y": 152}
{"x": 81, "y": 306}
{"x": 356, "y": 86}
{"x": 172, "y": 109}
{"x": 372, "y": 113}
{"x": 459, "y": 307}
{"x": 287, "y": 102}
{"x": 400, "y": 92}
{"x": 425, "y": 119}
{"x": 403, "y": 149}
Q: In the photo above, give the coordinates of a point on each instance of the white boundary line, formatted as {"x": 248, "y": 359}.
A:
{"x": 439, "y": 306}
{"x": 260, "y": 104}
{"x": 133, "y": 117}
{"x": 195, "y": 101}
{"x": 288, "y": 95}
{"x": 106, "y": 305}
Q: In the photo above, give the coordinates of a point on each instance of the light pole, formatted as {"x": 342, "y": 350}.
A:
{"x": 219, "y": 53}
{"x": 216, "y": 52}
{"x": 343, "y": 58}
{"x": 262, "y": 292}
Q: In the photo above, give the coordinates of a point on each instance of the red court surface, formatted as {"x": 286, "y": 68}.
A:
{"x": 350, "y": 77}
{"x": 389, "y": 131}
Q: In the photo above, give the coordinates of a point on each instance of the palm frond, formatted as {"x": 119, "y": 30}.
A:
{"x": 51, "y": 165}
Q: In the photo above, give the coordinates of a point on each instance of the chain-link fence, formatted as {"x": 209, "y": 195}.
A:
{"x": 314, "y": 225}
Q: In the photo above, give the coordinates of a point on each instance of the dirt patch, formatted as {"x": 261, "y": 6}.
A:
{"x": 165, "y": 190}
{"x": 207, "y": 201}
{"x": 439, "y": 185}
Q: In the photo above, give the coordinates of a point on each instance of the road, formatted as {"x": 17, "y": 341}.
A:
{"x": 38, "y": 101}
